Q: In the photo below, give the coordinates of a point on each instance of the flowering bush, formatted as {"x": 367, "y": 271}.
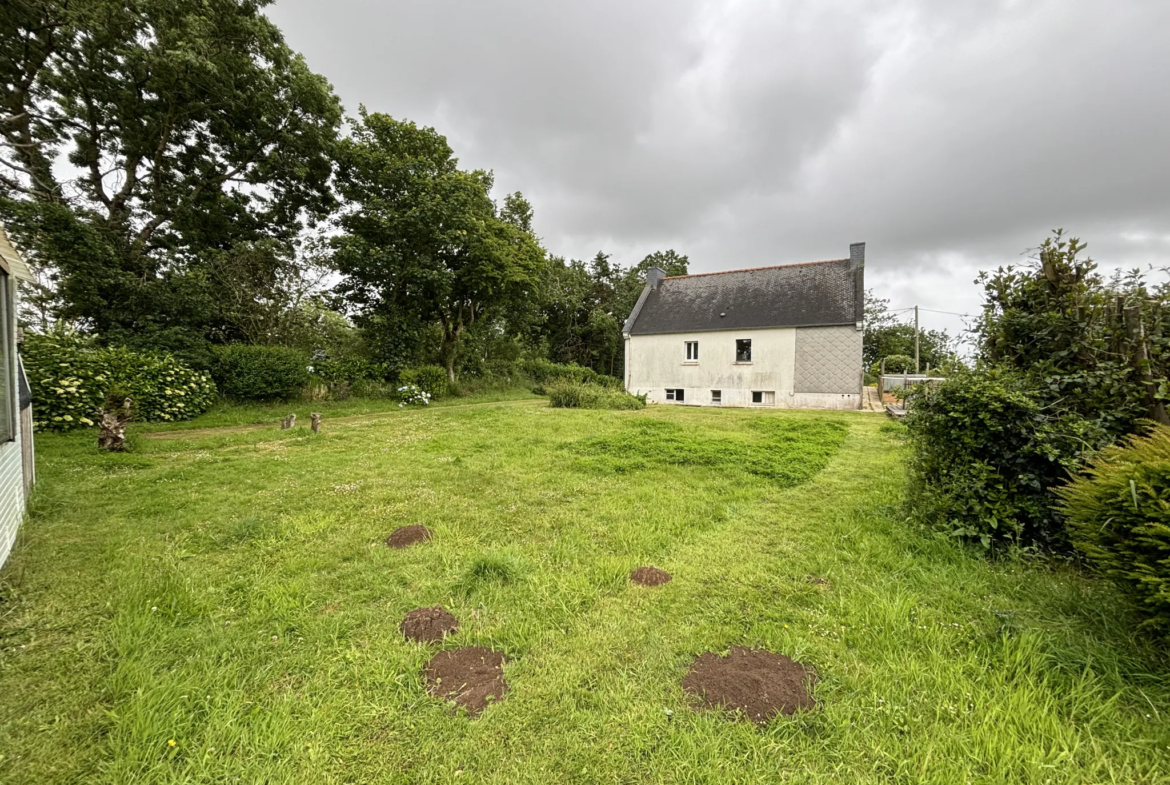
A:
{"x": 70, "y": 377}
{"x": 431, "y": 378}
{"x": 413, "y": 395}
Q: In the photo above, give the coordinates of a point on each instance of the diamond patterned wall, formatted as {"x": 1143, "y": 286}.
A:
{"x": 828, "y": 360}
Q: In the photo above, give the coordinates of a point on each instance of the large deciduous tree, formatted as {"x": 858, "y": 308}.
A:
{"x": 140, "y": 138}
{"x": 422, "y": 241}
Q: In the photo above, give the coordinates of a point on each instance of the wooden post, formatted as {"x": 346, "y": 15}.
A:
{"x": 917, "y": 367}
{"x": 315, "y": 419}
{"x": 288, "y": 422}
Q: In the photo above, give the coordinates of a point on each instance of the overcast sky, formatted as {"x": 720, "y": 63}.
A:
{"x": 949, "y": 136}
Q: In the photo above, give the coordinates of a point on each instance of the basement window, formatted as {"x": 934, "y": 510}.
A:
{"x": 717, "y": 397}
{"x": 674, "y": 395}
{"x": 743, "y": 350}
{"x": 764, "y": 397}
{"x": 692, "y": 351}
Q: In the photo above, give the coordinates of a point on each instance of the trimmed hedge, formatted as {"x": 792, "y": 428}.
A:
{"x": 259, "y": 373}
{"x": 1118, "y": 514}
{"x": 575, "y": 395}
{"x": 71, "y": 376}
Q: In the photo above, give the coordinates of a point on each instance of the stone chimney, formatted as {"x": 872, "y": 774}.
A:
{"x": 857, "y": 266}
{"x": 654, "y": 275}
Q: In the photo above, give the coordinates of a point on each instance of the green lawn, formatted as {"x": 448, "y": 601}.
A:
{"x": 231, "y": 592}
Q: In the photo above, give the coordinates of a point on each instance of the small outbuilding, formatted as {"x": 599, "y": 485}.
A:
{"x": 775, "y": 337}
{"x": 16, "y": 437}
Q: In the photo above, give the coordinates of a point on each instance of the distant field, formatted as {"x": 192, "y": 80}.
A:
{"x": 231, "y": 592}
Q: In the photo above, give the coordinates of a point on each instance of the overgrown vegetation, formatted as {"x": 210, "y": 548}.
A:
{"x": 259, "y": 373}
{"x": 71, "y": 377}
{"x": 234, "y": 596}
{"x": 1068, "y": 363}
{"x": 1119, "y": 517}
{"x": 565, "y": 394}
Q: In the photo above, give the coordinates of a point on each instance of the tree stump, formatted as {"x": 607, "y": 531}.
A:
{"x": 288, "y": 422}
{"x": 315, "y": 419}
{"x": 112, "y": 427}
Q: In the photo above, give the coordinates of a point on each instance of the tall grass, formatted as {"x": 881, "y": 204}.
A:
{"x": 232, "y": 593}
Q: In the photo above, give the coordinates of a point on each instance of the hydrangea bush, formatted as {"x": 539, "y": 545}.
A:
{"x": 413, "y": 395}
{"x": 70, "y": 377}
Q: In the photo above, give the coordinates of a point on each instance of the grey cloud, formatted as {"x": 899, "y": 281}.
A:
{"x": 949, "y": 136}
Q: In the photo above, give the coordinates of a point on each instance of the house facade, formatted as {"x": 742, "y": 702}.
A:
{"x": 16, "y": 444}
{"x": 770, "y": 337}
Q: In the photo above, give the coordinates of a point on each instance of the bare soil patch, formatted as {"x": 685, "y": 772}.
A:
{"x": 649, "y": 576}
{"x": 427, "y": 625}
{"x": 758, "y": 684}
{"x": 408, "y": 535}
{"x": 472, "y": 677}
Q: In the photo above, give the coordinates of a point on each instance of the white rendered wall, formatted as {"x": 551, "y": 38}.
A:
{"x": 656, "y": 362}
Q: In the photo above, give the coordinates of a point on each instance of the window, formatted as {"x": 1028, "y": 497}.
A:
{"x": 765, "y": 397}
{"x": 692, "y": 351}
{"x": 7, "y": 363}
{"x": 674, "y": 395}
{"x": 743, "y": 350}
{"x": 717, "y": 396}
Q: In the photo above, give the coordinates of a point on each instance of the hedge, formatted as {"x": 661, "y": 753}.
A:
{"x": 575, "y": 395}
{"x": 259, "y": 373}
{"x": 71, "y": 376}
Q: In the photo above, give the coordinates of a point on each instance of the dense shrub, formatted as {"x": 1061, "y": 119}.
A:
{"x": 71, "y": 376}
{"x": 259, "y": 373}
{"x": 333, "y": 370}
{"x": 986, "y": 455}
{"x": 575, "y": 395}
{"x": 899, "y": 363}
{"x": 545, "y": 372}
{"x": 1118, "y": 515}
{"x": 430, "y": 378}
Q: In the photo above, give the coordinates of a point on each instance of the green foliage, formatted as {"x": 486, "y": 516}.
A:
{"x": 1118, "y": 513}
{"x": 545, "y": 372}
{"x": 987, "y": 453}
{"x": 565, "y": 394}
{"x": 422, "y": 242}
{"x": 583, "y": 307}
{"x": 72, "y": 377}
{"x": 259, "y": 373}
{"x": 431, "y": 379}
{"x": 1084, "y": 343}
{"x": 192, "y": 133}
{"x": 332, "y": 370}
{"x": 898, "y": 363}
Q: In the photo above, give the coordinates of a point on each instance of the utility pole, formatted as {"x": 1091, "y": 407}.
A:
{"x": 917, "y": 368}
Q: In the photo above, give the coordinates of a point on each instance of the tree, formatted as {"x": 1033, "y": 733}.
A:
{"x": 422, "y": 242}
{"x": 189, "y": 127}
{"x": 886, "y": 337}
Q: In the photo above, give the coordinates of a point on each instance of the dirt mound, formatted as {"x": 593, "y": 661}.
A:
{"x": 408, "y": 535}
{"x": 428, "y": 624}
{"x": 757, "y": 683}
{"x": 473, "y": 677}
{"x": 649, "y": 576}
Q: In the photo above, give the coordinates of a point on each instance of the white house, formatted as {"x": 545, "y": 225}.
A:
{"x": 16, "y": 445}
{"x": 782, "y": 337}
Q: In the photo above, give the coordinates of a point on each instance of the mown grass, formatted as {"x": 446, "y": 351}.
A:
{"x": 232, "y": 592}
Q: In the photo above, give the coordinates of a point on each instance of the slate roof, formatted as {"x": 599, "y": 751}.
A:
{"x": 796, "y": 295}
